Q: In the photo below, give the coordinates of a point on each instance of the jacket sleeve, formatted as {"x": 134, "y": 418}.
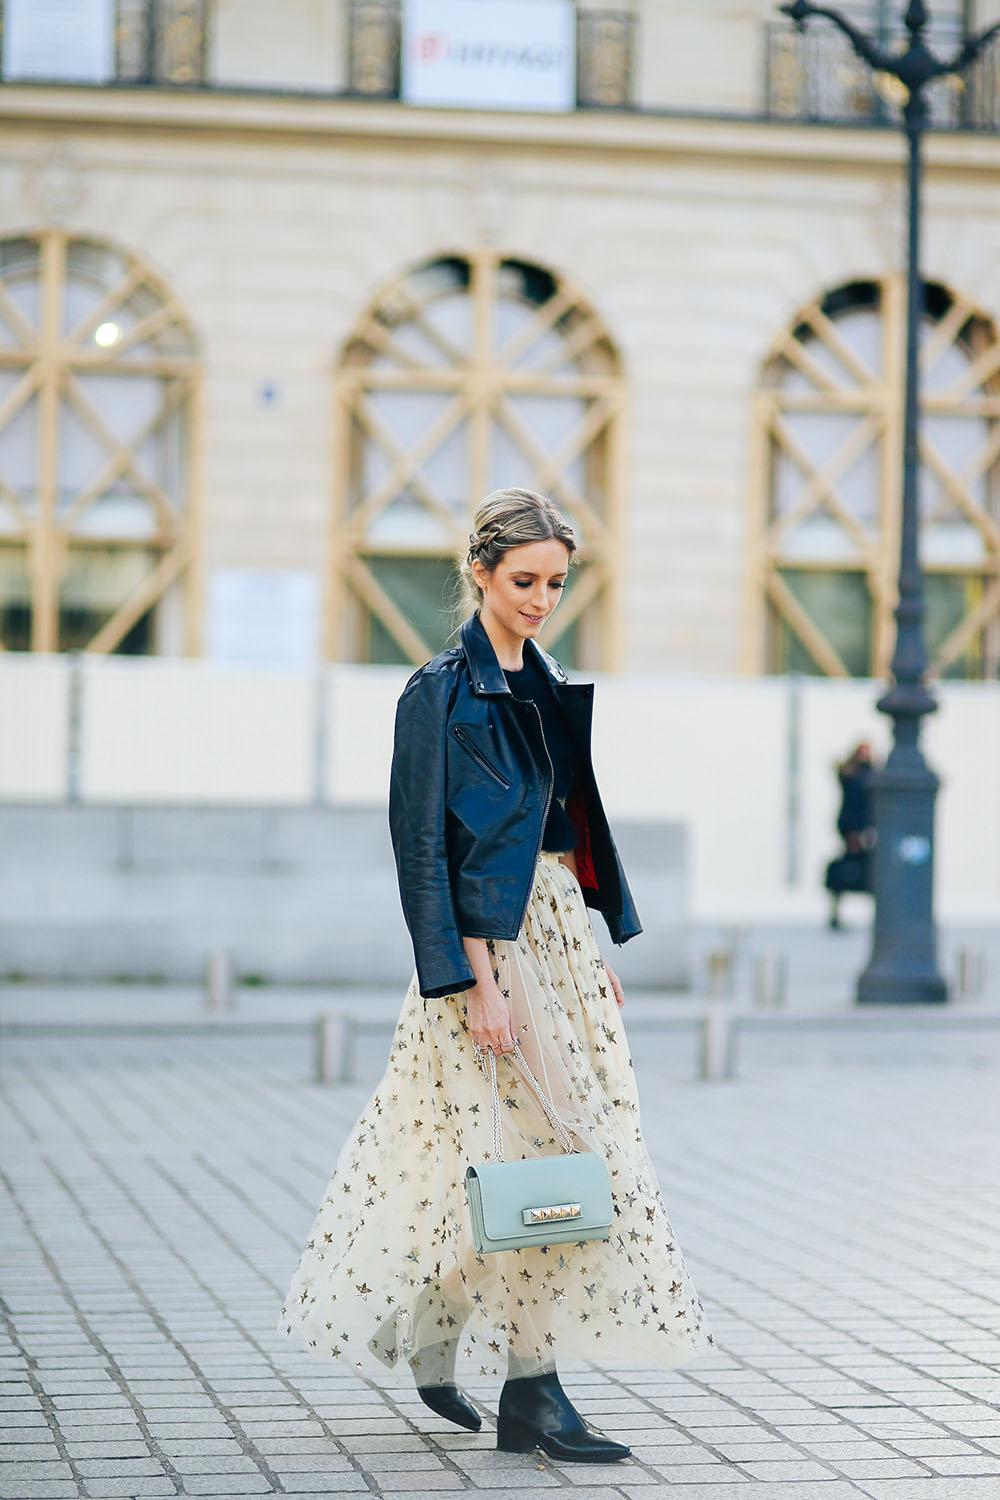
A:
{"x": 417, "y": 828}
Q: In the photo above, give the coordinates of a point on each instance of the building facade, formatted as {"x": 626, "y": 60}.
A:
{"x": 267, "y": 332}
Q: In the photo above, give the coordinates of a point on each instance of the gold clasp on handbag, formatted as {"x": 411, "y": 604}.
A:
{"x": 556, "y": 1211}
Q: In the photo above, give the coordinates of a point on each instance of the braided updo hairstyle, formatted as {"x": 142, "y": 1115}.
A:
{"x": 508, "y": 519}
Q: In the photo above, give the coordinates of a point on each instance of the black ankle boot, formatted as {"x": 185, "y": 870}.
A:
{"x": 535, "y": 1412}
{"x": 443, "y": 1396}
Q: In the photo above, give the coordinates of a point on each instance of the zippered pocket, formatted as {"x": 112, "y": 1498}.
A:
{"x": 477, "y": 755}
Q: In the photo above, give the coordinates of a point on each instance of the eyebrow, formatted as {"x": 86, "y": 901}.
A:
{"x": 527, "y": 573}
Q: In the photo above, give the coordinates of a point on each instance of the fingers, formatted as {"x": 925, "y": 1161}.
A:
{"x": 490, "y": 1023}
{"x": 616, "y": 986}
{"x": 499, "y": 1039}
{"x": 498, "y": 1044}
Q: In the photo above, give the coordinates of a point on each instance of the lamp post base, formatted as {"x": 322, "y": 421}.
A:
{"x": 897, "y": 979}
{"x": 902, "y": 969}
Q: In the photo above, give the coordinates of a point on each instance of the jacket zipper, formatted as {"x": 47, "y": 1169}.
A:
{"x": 479, "y": 757}
{"x": 541, "y": 826}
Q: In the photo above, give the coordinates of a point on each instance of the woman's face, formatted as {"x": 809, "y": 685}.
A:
{"x": 524, "y": 587}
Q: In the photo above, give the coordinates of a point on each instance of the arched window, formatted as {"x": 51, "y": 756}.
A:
{"x": 97, "y": 400}
{"x": 829, "y": 425}
{"x": 470, "y": 373}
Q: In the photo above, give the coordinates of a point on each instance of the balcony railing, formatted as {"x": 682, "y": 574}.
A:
{"x": 815, "y": 75}
{"x": 605, "y": 48}
{"x": 161, "y": 41}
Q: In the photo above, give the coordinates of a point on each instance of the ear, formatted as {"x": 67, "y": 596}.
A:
{"x": 479, "y": 573}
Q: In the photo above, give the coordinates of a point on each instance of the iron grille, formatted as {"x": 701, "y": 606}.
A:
{"x": 815, "y": 75}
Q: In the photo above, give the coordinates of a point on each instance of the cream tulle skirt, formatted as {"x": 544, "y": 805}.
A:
{"x": 389, "y": 1271}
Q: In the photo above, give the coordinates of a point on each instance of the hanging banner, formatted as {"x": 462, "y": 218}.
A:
{"x": 59, "y": 41}
{"x": 490, "y": 54}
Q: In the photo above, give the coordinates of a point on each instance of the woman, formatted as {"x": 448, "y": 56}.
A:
{"x": 851, "y": 871}
{"x": 501, "y": 844}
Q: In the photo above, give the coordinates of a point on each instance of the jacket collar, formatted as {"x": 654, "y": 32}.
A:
{"x": 485, "y": 672}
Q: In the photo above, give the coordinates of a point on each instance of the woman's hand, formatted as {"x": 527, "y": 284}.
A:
{"x": 489, "y": 1018}
{"x": 616, "y": 983}
{"x": 486, "y": 1010}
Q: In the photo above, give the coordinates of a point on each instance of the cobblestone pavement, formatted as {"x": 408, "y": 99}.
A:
{"x": 839, "y": 1205}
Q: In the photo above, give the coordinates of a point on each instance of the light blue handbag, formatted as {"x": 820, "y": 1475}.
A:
{"x": 542, "y": 1200}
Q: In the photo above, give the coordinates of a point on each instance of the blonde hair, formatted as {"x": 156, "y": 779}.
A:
{"x": 507, "y": 519}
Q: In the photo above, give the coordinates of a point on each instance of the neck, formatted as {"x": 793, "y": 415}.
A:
{"x": 509, "y": 648}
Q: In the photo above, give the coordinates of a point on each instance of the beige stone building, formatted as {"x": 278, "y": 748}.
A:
{"x": 267, "y": 332}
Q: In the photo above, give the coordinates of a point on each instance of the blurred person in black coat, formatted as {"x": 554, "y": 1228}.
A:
{"x": 851, "y": 871}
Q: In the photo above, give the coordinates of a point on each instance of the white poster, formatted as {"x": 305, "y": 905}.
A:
{"x": 263, "y": 617}
{"x": 490, "y": 54}
{"x": 59, "y": 41}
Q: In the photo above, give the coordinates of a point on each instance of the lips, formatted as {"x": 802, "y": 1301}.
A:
{"x": 532, "y": 619}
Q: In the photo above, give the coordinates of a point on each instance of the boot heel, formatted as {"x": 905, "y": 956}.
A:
{"x": 513, "y": 1438}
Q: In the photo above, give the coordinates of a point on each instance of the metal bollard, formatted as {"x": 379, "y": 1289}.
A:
{"x": 335, "y": 1049}
{"x": 720, "y": 971}
{"x": 715, "y": 1043}
{"x": 219, "y": 994}
{"x": 971, "y": 971}
{"x": 770, "y": 980}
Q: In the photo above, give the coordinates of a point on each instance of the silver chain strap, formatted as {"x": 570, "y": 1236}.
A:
{"x": 565, "y": 1139}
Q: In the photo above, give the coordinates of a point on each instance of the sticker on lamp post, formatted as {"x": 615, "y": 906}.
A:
{"x": 915, "y": 849}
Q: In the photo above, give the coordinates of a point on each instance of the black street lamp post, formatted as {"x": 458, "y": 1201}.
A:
{"x": 903, "y": 963}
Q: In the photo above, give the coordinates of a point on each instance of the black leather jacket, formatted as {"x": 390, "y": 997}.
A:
{"x": 468, "y": 802}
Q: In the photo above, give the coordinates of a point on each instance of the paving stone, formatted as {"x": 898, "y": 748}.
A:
{"x": 370, "y": 1426}
{"x": 677, "y": 1458}
{"x": 15, "y": 1421}
{"x": 217, "y": 1427}
{"x": 25, "y": 1452}
{"x": 736, "y": 1488}
{"x": 224, "y": 1463}
{"x": 429, "y": 1483}
{"x": 311, "y": 1463}
{"x": 235, "y": 1484}
{"x": 613, "y": 1475}
{"x": 401, "y": 1442}
{"x": 940, "y": 1488}
{"x": 529, "y": 1479}
{"x": 879, "y": 1468}
{"x": 943, "y": 1446}
{"x": 323, "y": 1484}
{"x": 384, "y": 1463}
{"x": 93, "y": 1447}
{"x": 109, "y": 1432}
{"x": 112, "y": 1401}
{"x": 128, "y": 1489}
{"x": 327, "y": 1484}
{"x": 846, "y": 1450}
{"x": 323, "y": 1444}
{"x": 685, "y": 1474}
{"x": 124, "y": 1468}
{"x": 38, "y": 1489}
{"x": 186, "y": 1447}
{"x": 793, "y": 1469}
{"x": 774, "y": 1450}
{"x": 29, "y": 1469}
{"x": 985, "y": 1464}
